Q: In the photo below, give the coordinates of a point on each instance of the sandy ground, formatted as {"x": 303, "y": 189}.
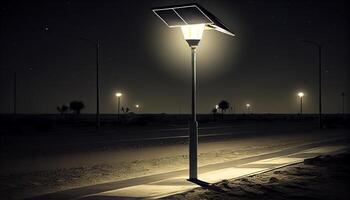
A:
{"x": 323, "y": 177}
{"x": 84, "y": 172}
{"x": 40, "y": 175}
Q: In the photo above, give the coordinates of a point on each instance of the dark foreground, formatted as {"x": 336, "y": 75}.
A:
{"x": 323, "y": 177}
{"x": 35, "y": 164}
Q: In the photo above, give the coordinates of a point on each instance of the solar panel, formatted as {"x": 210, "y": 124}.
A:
{"x": 189, "y": 14}
{"x": 170, "y": 18}
{"x": 192, "y": 15}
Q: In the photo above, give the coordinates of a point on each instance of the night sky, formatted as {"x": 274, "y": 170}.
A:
{"x": 265, "y": 64}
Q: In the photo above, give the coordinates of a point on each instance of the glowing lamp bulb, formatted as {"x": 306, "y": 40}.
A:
{"x": 193, "y": 32}
{"x": 248, "y": 105}
{"x": 300, "y": 94}
{"x": 137, "y": 105}
{"x": 118, "y": 94}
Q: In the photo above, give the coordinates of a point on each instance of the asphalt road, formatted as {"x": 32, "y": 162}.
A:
{"x": 68, "y": 141}
{"x": 32, "y": 153}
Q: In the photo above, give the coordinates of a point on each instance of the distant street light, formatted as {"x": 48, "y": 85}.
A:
{"x": 118, "y": 95}
{"x": 137, "y": 106}
{"x": 193, "y": 20}
{"x": 216, "y": 107}
{"x": 247, "y": 106}
{"x": 319, "y": 47}
{"x": 300, "y": 94}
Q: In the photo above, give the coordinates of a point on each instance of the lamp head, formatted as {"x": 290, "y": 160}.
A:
{"x": 300, "y": 94}
{"x": 118, "y": 94}
{"x": 247, "y": 105}
{"x": 193, "y": 33}
{"x": 137, "y": 106}
{"x": 193, "y": 19}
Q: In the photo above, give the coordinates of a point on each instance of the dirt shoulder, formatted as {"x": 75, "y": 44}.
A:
{"x": 323, "y": 177}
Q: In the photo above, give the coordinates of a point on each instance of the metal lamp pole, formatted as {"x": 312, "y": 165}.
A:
{"x": 301, "y": 105}
{"x": 193, "y": 35}
{"x": 118, "y": 95}
{"x": 194, "y": 123}
{"x": 118, "y": 102}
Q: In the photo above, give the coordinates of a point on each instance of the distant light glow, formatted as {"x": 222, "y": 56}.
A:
{"x": 137, "y": 106}
{"x": 300, "y": 94}
{"x": 216, "y": 106}
{"x": 118, "y": 94}
{"x": 247, "y": 105}
{"x": 193, "y": 32}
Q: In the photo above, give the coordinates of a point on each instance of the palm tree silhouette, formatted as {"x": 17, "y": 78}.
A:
{"x": 223, "y": 105}
{"x": 76, "y": 106}
{"x": 63, "y": 109}
{"x": 126, "y": 110}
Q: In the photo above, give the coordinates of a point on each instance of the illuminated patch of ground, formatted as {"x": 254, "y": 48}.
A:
{"x": 323, "y": 177}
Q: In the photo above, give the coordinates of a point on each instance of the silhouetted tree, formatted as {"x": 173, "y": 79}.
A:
{"x": 223, "y": 105}
{"x": 76, "y": 106}
{"x": 63, "y": 109}
{"x": 126, "y": 110}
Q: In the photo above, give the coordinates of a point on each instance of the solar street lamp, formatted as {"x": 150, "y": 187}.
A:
{"x": 301, "y": 94}
{"x": 193, "y": 21}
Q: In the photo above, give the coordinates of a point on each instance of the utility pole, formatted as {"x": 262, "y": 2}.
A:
{"x": 319, "y": 47}
{"x": 98, "y": 121}
{"x": 343, "y": 102}
{"x": 14, "y": 93}
{"x": 320, "y": 84}
{"x": 97, "y": 45}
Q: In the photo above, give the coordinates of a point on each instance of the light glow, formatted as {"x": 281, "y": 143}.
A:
{"x": 193, "y": 32}
{"x": 118, "y": 94}
{"x": 216, "y": 107}
{"x": 247, "y": 105}
{"x": 137, "y": 106}
{"x": 300, "y": 94}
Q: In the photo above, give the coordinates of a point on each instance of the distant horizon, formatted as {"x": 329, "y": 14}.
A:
{"x": 218, "y": 113}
